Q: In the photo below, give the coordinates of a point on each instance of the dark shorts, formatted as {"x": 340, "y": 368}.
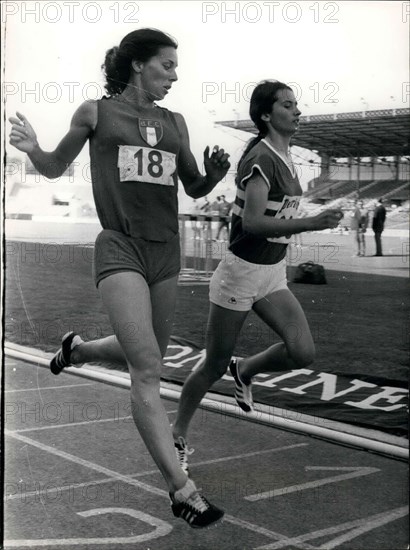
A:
{"x": 115, "y": 252}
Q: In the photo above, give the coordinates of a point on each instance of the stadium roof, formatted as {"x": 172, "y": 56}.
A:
{"x": 382, "y": 133}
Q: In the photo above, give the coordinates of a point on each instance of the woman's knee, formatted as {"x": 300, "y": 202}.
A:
{"x": 303, "y": 355}
{"x": 145, "y": 373}
{"x": 214, "y": 370}
{"x": 299, "y": 344}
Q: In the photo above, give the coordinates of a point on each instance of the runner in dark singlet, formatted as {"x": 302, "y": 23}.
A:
{"x": 137, "y": 150}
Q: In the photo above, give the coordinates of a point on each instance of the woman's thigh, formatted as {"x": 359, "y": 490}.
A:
{"x": 163, "y": 299}
{"x": 126, "y": 297}
{"x": 282, "y": 312}
{"x": 223, "y": 328}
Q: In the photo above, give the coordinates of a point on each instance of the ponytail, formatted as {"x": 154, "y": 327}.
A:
{"x": 116, "y": 70}
{"x": 249, "y": 146}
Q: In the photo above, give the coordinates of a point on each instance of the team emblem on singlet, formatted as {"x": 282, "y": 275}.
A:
{"x": 151, "y": 131}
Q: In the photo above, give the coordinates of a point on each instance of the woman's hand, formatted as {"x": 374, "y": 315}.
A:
{"x": 328, "y": 219}
{"x": 216, "y": 165}
{"x": 22, "y": 135}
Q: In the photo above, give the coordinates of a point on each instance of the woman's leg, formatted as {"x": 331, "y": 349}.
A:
{"x": 127, "y": 299}
{"x": 357, "y": 240}
{"x": 142, "y": 318}
{"x": 163, "y": 300}
{"x": 163, "y": 297}
{"x": 282, "y": 312}
{"x": 378, "y": 239}
{"x": 105, "y": 349}
{"x": 223, "y": 328}
{"x": 363, "y": 241}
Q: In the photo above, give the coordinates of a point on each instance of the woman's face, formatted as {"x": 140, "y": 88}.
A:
{"x": 159, "y": 73}
{"x": 285, "y": 114}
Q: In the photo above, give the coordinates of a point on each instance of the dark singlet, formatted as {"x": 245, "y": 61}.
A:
{"x": 283, "y": 202}
{"x": 134, "y": 159}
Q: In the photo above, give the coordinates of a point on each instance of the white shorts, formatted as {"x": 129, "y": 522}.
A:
{"x": 237, "y": 284}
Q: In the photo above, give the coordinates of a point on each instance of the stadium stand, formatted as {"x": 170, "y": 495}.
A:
{"x": 363, "y": 155}
{"x": 383, "y": 189}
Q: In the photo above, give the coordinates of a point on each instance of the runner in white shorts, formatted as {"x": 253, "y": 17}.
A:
{"x": 252, "y": 275}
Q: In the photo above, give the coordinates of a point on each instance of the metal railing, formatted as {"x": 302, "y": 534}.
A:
{"x": 200, "y": 249}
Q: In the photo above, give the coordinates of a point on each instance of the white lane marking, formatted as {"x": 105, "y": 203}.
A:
{"x": 267, "y": 533}
{"x": 372, "y": 522}
{"x": 69, "y": 425}
{"x": 50, "y": 490}
{"x": 357, "y": 471}
{"x": 247, "y": 455}
{"x": 88, "y": 464}
{"x": 162, "y": 528}
{"x": 149, "y": 488}
{"x": 49, "y": 388}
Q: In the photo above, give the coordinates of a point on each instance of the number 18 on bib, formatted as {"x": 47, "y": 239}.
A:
{"x": 145, "y": 164}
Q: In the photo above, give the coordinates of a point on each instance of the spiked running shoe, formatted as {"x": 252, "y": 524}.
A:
{"x": 182, "y": 452}
{"x": 63, "y": 357}
{"x": 243, "y": 392}
{"x": 196, "y": 511}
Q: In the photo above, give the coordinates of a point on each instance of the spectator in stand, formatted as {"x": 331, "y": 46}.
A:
{"x": 205, "y": 209}
{"x": 214, "y": 211}
{"x": 358, "y": 225}
{"x": 354, "y": 226}
{"x": 363, "y": 224}
{"x": 215, "y": 206}
{"x": 224, "y": 210}
{"x": 379, "y": 217}
{"x": 195, "y": 224}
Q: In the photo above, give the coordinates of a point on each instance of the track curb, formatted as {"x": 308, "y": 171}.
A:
{"x": 337, "y": 432}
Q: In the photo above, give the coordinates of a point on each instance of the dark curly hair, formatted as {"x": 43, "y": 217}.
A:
{"x": 262, "y": 99}
{"x": 140, "y": 45}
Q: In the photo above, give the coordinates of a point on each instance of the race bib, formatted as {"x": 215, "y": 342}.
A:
{"x": 145, "y": 164}
{"x": 288, "y": 210}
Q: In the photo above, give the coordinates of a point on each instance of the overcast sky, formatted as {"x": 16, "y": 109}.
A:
{"x": 339, "y": 56}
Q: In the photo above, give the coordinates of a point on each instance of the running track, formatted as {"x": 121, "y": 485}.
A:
{"x": 77, "y": 475}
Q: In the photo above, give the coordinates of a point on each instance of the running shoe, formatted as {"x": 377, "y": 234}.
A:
{"x": 63, "y": 357}
{"x": 243, "y": 392}
{"x": 182, "y": 452}
{"x": 196, "y": 511}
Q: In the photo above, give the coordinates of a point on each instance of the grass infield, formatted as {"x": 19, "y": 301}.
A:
{"x": 359, "y": 321}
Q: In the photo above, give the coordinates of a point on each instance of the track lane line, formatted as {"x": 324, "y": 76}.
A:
{"x": 152, "y": 472}
{"x": 88, "y": 464}
{"x": 358, "y": 526}
{"x": 116, "y": 476}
